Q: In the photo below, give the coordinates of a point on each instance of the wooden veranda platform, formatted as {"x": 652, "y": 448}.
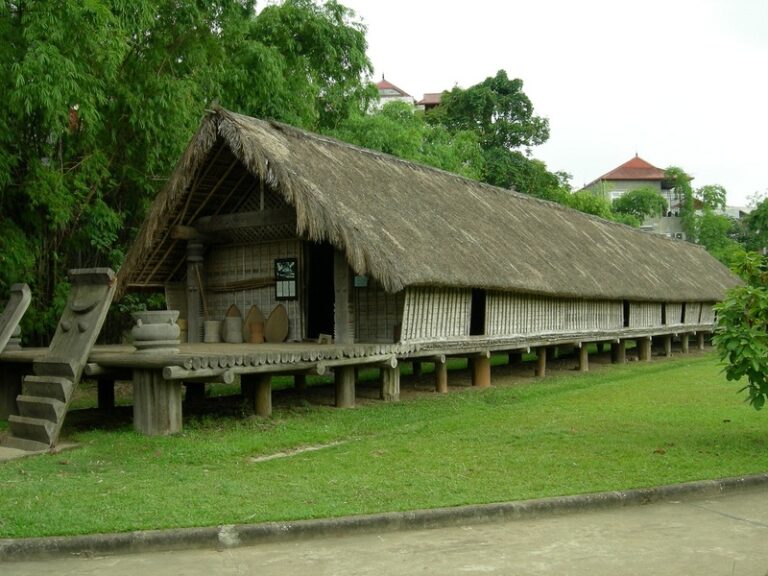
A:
{"x": 158, "y": 376}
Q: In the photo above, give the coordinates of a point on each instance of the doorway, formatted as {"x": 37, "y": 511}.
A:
{"x": 319, "y": 289}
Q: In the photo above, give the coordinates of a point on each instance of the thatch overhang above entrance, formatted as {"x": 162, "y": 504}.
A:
{"x": 406, "y": 224}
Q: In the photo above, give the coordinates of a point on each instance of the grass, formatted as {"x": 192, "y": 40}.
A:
{"x": 617, "y": 427}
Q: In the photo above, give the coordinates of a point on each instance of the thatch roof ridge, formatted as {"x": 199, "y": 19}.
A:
{"x": 408, "y": 224}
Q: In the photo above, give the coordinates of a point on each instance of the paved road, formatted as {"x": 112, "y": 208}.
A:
{"x": 724, "y": 536}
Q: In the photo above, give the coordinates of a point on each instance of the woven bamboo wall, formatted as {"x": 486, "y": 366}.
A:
{"x": 707, "y": 313}
{"x": 227, "y": 264}
{"x": 644, "y": 314}
{"x": 674, "y": 313}
{"x": 434, "y": 313}
{"x": 377, "y": 313}
{"x": 692, "y": 313}
{"x": 517, "y": 314}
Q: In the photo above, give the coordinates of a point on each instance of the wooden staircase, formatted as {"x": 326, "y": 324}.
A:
{"x": 46, "y": 395}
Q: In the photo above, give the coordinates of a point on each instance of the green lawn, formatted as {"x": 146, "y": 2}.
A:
{"x": 617, "y": 427}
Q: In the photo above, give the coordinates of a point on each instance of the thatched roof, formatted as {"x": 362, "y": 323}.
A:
{"x": 407, "y": 224}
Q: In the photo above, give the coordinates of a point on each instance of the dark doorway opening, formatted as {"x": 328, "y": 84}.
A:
{"x": 320, "y": 296}
{"x": 626, "y": 313}
{"x": 663, "y": 314}
{"x": 682, "y": 314}
{"x": 477, "y": 314}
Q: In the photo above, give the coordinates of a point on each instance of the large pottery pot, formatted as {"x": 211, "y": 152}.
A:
{"x": 156, "y": 331}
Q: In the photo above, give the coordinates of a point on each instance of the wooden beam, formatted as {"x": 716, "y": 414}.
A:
{"x": 209, "y": 225}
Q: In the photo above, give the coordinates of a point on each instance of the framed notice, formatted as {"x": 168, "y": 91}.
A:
{"x": 286, "y": 273}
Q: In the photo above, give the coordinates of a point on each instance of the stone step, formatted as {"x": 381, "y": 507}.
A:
{"x": 24, "y": 444}
{"x": 35, "y": 429}
{"x": 49, "y": 387}
{"x": 39, "y": 407}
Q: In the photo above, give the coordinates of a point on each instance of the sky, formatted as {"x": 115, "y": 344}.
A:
{"x": 679, "y": 82}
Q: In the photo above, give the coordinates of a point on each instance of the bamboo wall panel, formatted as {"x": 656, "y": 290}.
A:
{"x": 517, "y": 314}
{"x": 674, "y": 313}
{"x": 377, "y": 313}
{"x": 225, "y": 265}
{"x": 644, "y": 314}
{"x": 692, "y": 313}
{"x": 435, "y": 313}
{"x": 707, "y": 313}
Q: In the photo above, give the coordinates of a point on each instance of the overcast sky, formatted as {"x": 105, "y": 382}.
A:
{"x": 680, "y": 82}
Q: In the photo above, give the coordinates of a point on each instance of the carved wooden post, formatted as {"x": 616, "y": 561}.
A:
{"x": 441, "y": 375}
{"x": 344, "y": 379}
{"x": 481, "y": 371}
{"x": 343, "y": 309}
{"x": 584, "y": 357}
{"x": 541, "y": 361}
{"x": 194, "y": 274}
{"x": 700, "y": 336}
{"x": 156, "y": 403}
{"x": 684, "y": 342}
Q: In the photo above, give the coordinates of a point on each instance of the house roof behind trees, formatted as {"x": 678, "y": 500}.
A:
{"x": 635, "y": 169}
{"x": 406, "y": 224}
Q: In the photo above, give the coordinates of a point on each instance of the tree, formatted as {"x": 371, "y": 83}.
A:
{"x": 501, "y": 115}
{"x": 756, "y": 227}
{"x": 741, "y": 335}
{"x": 681, "y": 185}
{"x": 94, "y": 120}
{"x": 398, "y": 130}
{"x": 640, "y": 203}
{"x": 586, "y": 201}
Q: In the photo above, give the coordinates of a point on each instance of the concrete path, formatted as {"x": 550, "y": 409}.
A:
{"x": 721, "y": 535}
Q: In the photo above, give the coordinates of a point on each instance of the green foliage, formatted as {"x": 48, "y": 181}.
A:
{"x": 640, "y": 203}
{"x": 398, "y": 130}
{"x": 586, "y": 201}
{"x": 742, "y": 331}
{"x": 756, "y": 227}
{"x": 681, "y": 185}
{"x": 102, "y": 96}
{"x": 497, "y": 109}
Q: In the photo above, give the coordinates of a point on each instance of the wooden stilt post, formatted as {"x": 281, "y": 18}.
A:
{"x": 390, "y": 384}
{"x": 105, "y": 390}
{"x": 584, "y": 358}
{"x": 619, "y": 352}
{"x": 156, "y": 403}
{"x": 644, "y": 349}
{"x": 257, "y": 390}
{"x": 441, "y": 376}
{"x": 541, "y": 361}
{"x": 668, "y": 345}
{"x": 700, "y": 337}
{"x": 344, "y": 379}
{"x": 481, "y": 371}
{"x": 684, "y": 342}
